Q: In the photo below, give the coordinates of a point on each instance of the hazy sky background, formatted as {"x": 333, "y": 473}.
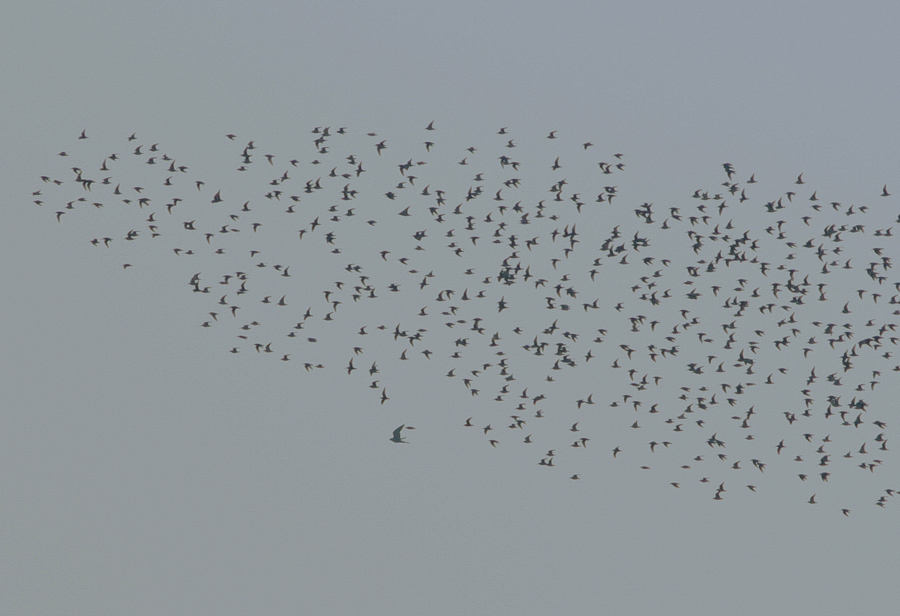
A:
{"x": 144, "y": 470}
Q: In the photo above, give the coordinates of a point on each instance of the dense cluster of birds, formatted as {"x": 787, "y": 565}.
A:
{"x": 730, "y": 335}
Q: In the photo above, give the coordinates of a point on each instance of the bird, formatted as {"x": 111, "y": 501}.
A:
{"x": 396, "y": 438}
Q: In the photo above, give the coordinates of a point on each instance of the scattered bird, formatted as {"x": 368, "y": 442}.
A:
{"x": 396, "y": 438}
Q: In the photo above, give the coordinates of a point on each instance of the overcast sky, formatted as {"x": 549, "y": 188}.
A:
{"x": 147, "y": 470}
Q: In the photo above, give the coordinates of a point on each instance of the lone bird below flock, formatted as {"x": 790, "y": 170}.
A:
{"x": 396, "y": 438}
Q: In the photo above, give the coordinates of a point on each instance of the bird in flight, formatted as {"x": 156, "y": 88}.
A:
{"x": 396, "y": 438}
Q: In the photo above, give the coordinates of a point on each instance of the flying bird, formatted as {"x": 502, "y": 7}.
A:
{"x": 396, "y": 438}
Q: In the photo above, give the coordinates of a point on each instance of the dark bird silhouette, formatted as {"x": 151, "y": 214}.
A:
{"x": 396, "y": 438}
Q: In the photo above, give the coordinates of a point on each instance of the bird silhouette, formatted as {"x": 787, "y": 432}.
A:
{"x": 396, "y": 438}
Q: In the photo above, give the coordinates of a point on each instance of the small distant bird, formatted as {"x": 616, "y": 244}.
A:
{"x": 396, "y": 438}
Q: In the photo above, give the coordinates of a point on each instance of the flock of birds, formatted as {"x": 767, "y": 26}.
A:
{"x": 731, "y": 335}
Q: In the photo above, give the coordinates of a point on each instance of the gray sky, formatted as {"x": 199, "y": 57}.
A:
{"x": 146, "y": 470}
